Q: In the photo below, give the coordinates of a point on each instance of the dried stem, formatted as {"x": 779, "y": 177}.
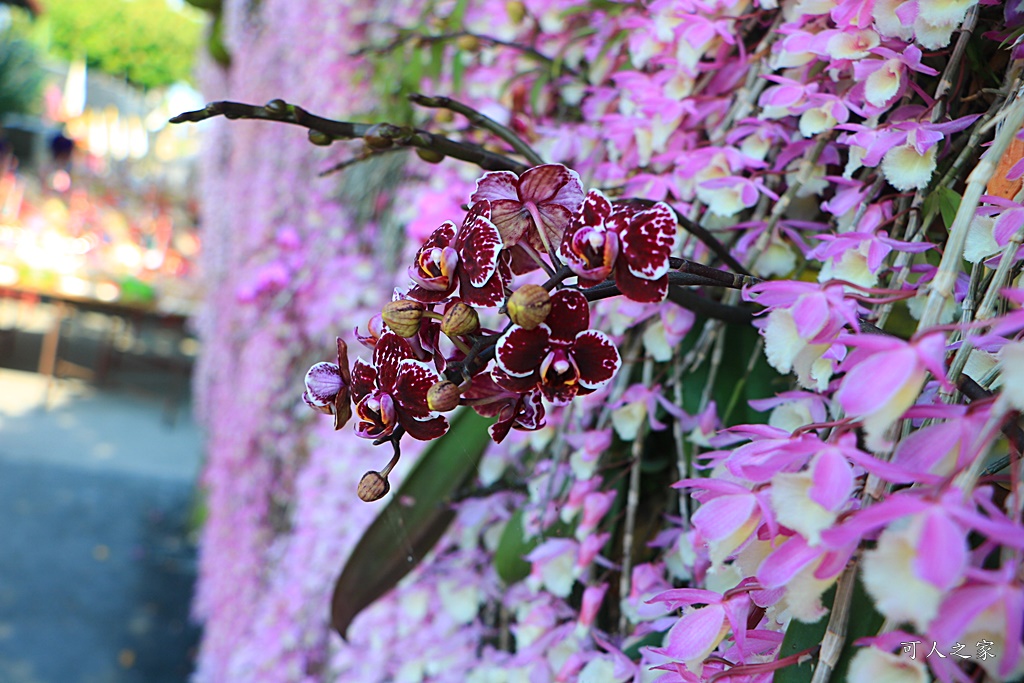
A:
{"x": 941, "y": 288}
{"x": 835, "y": 634}
{"x": 480, "y": 121}
{"x": 633, "y": 502}
{"x": 402, "y": 136}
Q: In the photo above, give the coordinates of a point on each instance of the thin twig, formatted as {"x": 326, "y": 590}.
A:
{"x": 633, "y": 502}
{"x": 370, "y": 154}
{"x": 330, "y": 130}
{"x": 835, "y": 634}
{"x": 480, "y": 121}
{"x": 448, "y": 37}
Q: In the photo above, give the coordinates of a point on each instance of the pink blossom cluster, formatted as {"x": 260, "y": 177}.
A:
{"x": 817, "y": 139}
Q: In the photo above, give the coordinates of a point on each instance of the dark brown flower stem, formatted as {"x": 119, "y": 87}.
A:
{"x": 480, "y": 121}
{"x": 710, "y": 308}
{"x": 721, "y": 278}
{"x": 402, "y": 136}
{"x": 557, "y": 278}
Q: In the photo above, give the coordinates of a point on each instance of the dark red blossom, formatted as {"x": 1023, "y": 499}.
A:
{"x": 392, "y": 391}
{"x": 471, "y": 259}
{"x": 633, "y": 244}
{"x": 513, "y": 410}
{"x": 561, "y": 356}
{"x": 545, "y": 198}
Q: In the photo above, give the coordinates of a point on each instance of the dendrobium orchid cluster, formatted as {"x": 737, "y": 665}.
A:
{"x": 817, "y": 477}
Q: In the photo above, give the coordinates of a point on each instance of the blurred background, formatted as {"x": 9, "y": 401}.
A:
{"x": 99, "y": 248}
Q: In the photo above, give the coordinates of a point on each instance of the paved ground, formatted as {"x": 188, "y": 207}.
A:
{"x": 96, "y": 566}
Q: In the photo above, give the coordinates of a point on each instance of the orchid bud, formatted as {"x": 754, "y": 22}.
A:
{"x": 277, "y": 107}
{"x": 460, "y": 319}
{"x": 377, "y": 137}
{"x": 443, "y": 396}
{"x": 529, "y": 306}
{"x": 403, "y": 317}
{"x": 431, "y": 156}
{"x": 516, "y": 11}
{"x": 373, "y": 486}
{"x": 320, "y": 138}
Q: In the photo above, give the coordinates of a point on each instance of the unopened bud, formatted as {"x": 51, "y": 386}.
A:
{"x": 460, "y": 319}
{"x": 373, "y": 486}
{"x": 443, "y": 396}
{"x": 403, "y": 317}
{"x": 277, "y": 107}
{"x": 529, "y": 306}
{"x": 377, "y": 137}
{"x": 516, "y": 11}
{"x": 467, "y": 43}
{"x": 320, "y": 138}
{"x": 431, "y": 156}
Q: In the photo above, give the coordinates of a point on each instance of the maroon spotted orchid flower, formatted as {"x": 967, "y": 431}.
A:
{"x": 392, "y": 391}
{"x": 633, "y": 244}
{"x": 545, "y": 198}
{"x": 561, "y": 356}
{"x": 327, "y": 387}
{"x": 514, "y": 410}
{"x": 471, "y": 259}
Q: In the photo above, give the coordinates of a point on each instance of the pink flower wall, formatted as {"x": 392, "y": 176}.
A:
{"x": 820, "y": 141}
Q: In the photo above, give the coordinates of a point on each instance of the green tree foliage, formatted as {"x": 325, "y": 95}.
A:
{"x": 146, "y": 41}
{"x": 21, "y": 77}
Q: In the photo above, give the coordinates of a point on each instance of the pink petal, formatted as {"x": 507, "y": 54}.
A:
{"x": 677, "y": 597}
{"x": 552, "y": 183}
{"x": 596, "y": 357}
{"x": 832, "y": 480}
{"x": 785, "y": 562}
{"x": 323, "y": 382}
{"x": 722, "y": 516}
{"x": 811, "y": 314}
{"x": 496, "y": 185}
{"x": 941, "y": 556}
{"x": 696, "y": 634}
{"x": 520, "y": 352}
{"x": 1008, "y": 223}
{"x": 512, "y": 220}
{"x": 871, "y": 384}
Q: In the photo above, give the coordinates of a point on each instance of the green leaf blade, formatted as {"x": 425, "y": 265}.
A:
{"x": 414, "y": 520}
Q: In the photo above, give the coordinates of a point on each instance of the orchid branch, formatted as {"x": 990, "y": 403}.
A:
{"x": 325, "y": 131}
{"x": 480, "y": 121}
{"x": 527, "y": 50}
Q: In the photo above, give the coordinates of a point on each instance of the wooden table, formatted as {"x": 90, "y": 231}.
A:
{"x": 65, "y": 305}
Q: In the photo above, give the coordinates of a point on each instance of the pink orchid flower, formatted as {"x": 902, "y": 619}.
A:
{"x": 884, "y": 376}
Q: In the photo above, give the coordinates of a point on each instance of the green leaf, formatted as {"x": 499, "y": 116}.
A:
{"x": 800, "y": 637}
{"x": 945, "y": 201}
{"x": 508, "y": 556}
{"x": 413, "y": 521}
{"x": 537, "y": 90}
{"x": 864, "y": 621}
{"x": 513, "y": 546}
